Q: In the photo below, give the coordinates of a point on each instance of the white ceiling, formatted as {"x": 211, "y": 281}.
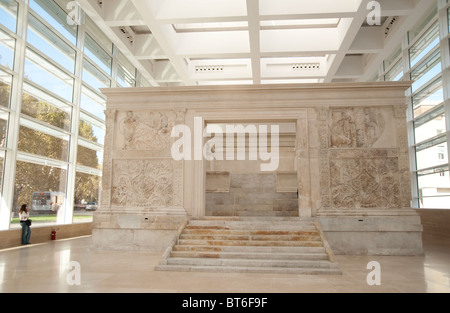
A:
{"x": 206, "y": 42}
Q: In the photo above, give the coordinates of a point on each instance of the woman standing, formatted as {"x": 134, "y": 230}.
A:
{"x": 26, "y": 230}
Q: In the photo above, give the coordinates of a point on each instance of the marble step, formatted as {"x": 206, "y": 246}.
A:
{"x": 250, "y": 245}
{"x": 256, "y": 212}
{"x": 261, "y": 226}
{"x": 249, "y": 255}
{"x": 310, "y": 243}
{"x": 258, "y": 270}
{"x": 252, "y": 263}
{"x": 248, "y": 249}
{"x": 231, "y": 232}
{"x": 250, "y": 237}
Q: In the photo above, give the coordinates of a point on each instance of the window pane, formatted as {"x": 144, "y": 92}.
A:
{"x": 4, "y": 120}
{"x": 41, "y": 187}
{"x": 428, "y": 98}
{"x": 39, "y": 143}
{"x": 98, "y": 35}
{"x": 8, "y": 14}
{"x": 5, "y": 89}
{"x": 89, "y": 157}
{"x": 428, "y": 41}
{"x": 388, "y": 62}
{"x": 125, "y": 78}
{"x": 396, "y": 73}
{"x": 94, "y": 77}
{"x": 430, "y": 126}
{"x": 90, "y": 131}
{"x": 56, "y": 17}
{"x": 98, "y": 55}
{"x": 434, "y": 190}
{"x": 434, "y": 156}
{"x": 46, "y": 109}
{"x": 48, "y": 76}
{"x": 7, "y": 47}
{"x": 426, "y": 71}
{"x": 93, "y": 103}
{"x": 87, "y": 196}
{"x": 412, "y": 34}
{"x": 50, "y": 44}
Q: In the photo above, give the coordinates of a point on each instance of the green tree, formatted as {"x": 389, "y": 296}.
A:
{"x": 38, "y": 178}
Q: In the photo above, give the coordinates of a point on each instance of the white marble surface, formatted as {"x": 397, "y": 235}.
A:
{"x": 44, "y": 268}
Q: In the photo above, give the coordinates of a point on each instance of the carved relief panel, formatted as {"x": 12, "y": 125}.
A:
{"x": 360, "y": 169}
{"x": 364, "y": 183}
{"x": 144, "y": 130}
{"x": 147, "y": 183}
{"x": 362, "y": 128}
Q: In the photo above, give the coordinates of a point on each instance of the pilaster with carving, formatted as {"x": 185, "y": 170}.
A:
{"x": 323, "y": 130}
{"x": 108, "y": 156}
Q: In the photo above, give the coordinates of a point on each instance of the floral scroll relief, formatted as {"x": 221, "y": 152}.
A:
{"x": 143, "y": 183}
{"x": 365, "y": 183}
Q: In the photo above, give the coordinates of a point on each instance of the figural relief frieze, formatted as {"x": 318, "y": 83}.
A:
{"x": 147, "y": 183}
{"x": 365, "y": 183}
{"x": 145, "y": 130}
{"x": 356, "y": 127}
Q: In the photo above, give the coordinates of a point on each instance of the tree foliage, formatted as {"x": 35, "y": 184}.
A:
{"x": 39, "y": 178}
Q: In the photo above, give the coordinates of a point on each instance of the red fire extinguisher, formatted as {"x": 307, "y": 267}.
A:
{"x": 54, "y": 235}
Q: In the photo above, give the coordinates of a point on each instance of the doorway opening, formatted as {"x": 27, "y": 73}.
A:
{"x": 251, "y": 169}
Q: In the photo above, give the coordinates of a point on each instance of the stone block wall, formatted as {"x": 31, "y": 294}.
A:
{"x": 251, "y": 195}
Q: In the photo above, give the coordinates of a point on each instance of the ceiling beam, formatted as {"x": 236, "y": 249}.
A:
{"x": 255, "y": 39}
{"x": 163, "y": 36}
{"x": 91, "y": 8}
{"x": 349, "y": 29}
{"x": 395, "y": 38}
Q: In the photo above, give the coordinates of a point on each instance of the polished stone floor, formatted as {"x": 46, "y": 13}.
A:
{"x": 71, "y": 266}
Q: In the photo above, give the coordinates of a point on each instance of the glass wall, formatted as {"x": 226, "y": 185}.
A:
{"x": 420, "y": 60}
{"x": 55, "y": 110}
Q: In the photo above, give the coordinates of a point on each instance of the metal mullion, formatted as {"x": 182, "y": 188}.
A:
{"x": 97, "y": 121}
{"x": 430, "y": 141}
{"x": 46, "y": 24}
{"x": 410, "y": 127}
{"x": 89, "y": 170}
{"x": 430, "y": 82}
{"x": 73, "y": 144}
{"x": 41, "y": 160}
{"x": 49, "y": 92}
{"x": 44, "y": 125}
{"x": 50, "y": 60}
{"x": 390, "y": 67}
{"x": 419, "y": 35}
{"x": 429, "y": 114}
{"x": 6, "y": 208}
{"x": 444, "y": 24}
{"x": 446, "y": 168}
{"x": 420, "y": 62}
{"x": 8, "y": 32}
{"x": 7, "y": 70}
{"x": 109, "y": 76}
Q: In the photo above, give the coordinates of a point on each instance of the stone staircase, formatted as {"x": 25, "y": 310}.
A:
{"x": 251, "y": 245}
